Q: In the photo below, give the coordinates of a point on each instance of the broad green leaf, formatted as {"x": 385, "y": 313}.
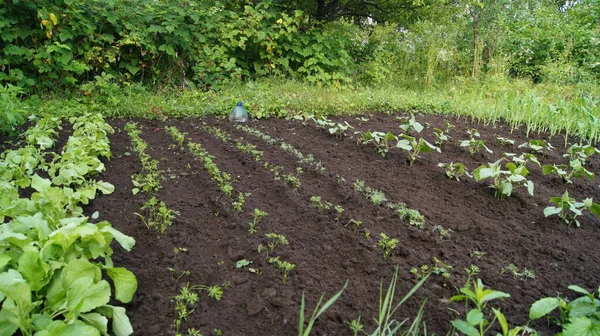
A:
{"x": 581, "y": 326}
{"x": 77, "y": 328}
{"x": 474, "y": 316}
{"x": 33, "y": 269}
{"x": 13, "y": 286}
{"x": 543, "y": 307}
{"x": 579, "y": 289}
{"x": 9, "y": 322}
{"x": 97, "y": 321}
{"x": 595, "y": 209}
{"x": 549, "y": 211}
{"x": 4, "y": 259}
{"x": 105, "y": 187}
{"x": 465, "y": 328}
{"x": 120, "y": 322}
{"x": 85, "y": 295}
{"x": 492, "y": 295}
{"x": 124, "y": 240}
{"x": 125, "y": 283}
{"x": 404, "y": 144}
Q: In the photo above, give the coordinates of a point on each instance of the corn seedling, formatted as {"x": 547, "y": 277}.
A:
{"x": 568, "y": 209}
{"x": 454, "y": 170}
{"x": 386, "y": 325}
{"x": 474, "y": 143}
{"x": 516, "y": 273}
{"x": 387, "y": 244}
{"x": 414, "y": 147}
{"x": 305, "y": 330}
{"x": 258, "y": 215}
{"x": 284, "y": 267}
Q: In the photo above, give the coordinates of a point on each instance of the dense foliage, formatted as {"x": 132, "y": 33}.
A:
{"x": 204, "y": 44}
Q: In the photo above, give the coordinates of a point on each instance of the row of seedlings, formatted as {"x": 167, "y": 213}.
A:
{"x": 148, "y": 181}
{"x": 273, "y": 239}
{"x": 53, "y": 260}
{"x": 374, "y": 196}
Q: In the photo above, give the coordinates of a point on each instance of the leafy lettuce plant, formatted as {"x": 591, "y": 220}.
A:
{"x": 568, "y": 209}
{"x": 504, "y": 181}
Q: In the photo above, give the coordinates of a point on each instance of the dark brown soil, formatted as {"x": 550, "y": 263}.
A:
{"x": 327, "y": 253}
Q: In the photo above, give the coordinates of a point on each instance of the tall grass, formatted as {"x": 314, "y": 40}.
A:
{"x": 570, "y": 110}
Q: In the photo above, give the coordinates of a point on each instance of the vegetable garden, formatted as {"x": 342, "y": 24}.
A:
{"x": 238, "y": 229}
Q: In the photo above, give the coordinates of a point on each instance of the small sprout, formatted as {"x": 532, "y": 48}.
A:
{"x": 443, "y": 232}
{"x": 476, "y": 254}
{"x": 355, "y": 326}
{"x": 454, "y": 170}
{"x": 242, "y": 263}
{"x": 387, "y": 244}
{"x": 367, "y": 235}
{"x": 537, "y": 146}
{"x": 504, "y": 141}
{"x": 472, "y": 270}
{"x": 568, "y": 209}
{"x": 258, "y": 215}
{"x": 339, "y": 210}
{"x": 474, "y": 144}
{"x": 292, "y": 180}
{"x": 355, "y": 223}
{"x": 516, "y": 273}
{"x": 275, "y": 239}
{"x": 283, "y": 266}
{"x": 239, "y": 204}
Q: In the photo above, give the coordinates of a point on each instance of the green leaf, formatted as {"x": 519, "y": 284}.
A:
{"x": 595, "y": 209}
{"x": 125, "y": 283}
{"x": 4, "y": 259}
{"x": 85, "y": 295}
{"x": 465, "y": 328}
{"x": 543, "y": 307}
{"x": 474, "y": 317}
{"x": 97, "y": 321}
{"x": 105, "y": 187}
{"x": 549, "y": 211}
{"x": 501, "y": 320}
{"x": 126, "y": 242}
{"x": 13, "y": 286}
{"x": 404, "y": 144}
{"x": 120, "y": 322}
{"x": 33, "y": 269}
{"x": 582, "y": 326}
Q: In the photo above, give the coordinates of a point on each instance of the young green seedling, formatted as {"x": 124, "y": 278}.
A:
{"x": 474, "y": 143}
{"x": 410, "y": 125}
{"x": 387, "y": 244}
{"x": 379, "y": 139}
{"x": 274, "y": 239}
{"x": 568, "y": 209}
{"x": 239, "y": 204}
{"x": 283, "y": 266}
{"x": 504, "y": 141}
{"x": 455, "y": 170}
{"x": 440, "y": 137}
{"x": 414, "y": 147}
{"x": 258, "y": 215}
{"x": 537, "y": 146}
{"x": 503, "y": 180}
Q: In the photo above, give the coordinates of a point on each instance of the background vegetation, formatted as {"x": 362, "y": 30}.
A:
{"x": 533, "y": 61}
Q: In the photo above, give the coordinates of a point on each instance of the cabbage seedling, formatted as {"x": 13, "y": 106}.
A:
{"x": 568, "y": 209}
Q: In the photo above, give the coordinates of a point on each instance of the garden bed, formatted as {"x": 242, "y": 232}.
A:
{"x": 209, "y": 236}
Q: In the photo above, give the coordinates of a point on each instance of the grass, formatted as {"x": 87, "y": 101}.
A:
{"x": 570, "y": 110}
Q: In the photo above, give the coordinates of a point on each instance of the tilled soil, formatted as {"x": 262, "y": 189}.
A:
{"x": 328, "y": 252}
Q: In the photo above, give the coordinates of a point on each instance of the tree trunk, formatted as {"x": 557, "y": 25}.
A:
{"x": 320, "y": 10}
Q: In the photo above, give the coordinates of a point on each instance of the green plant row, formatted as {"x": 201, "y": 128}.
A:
{"x": 159, "y": 215}
{"x": 222, "y": 179}
{"x": 53, "y": 261}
